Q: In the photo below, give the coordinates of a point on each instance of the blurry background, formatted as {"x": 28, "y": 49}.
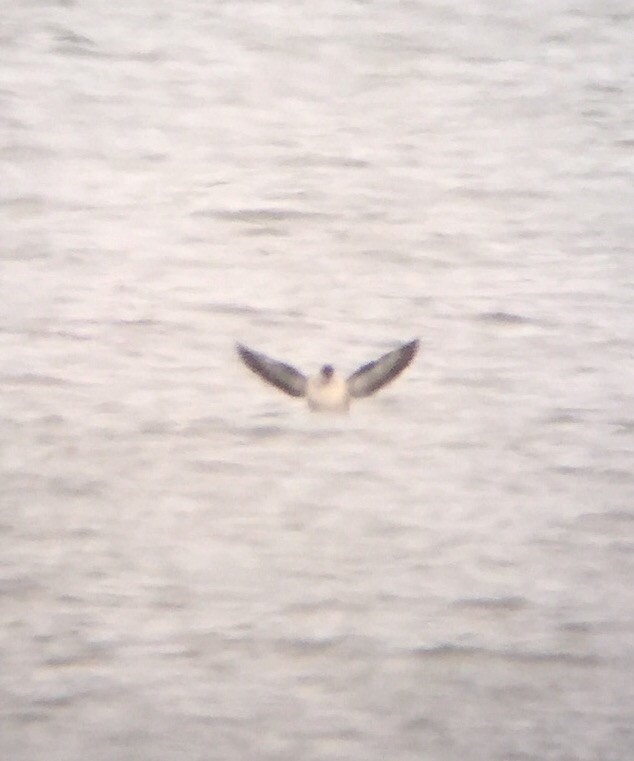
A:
{"x": 192, "y": 565}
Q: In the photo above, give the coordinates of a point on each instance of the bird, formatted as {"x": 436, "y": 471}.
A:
{"x": 329, "y": 391}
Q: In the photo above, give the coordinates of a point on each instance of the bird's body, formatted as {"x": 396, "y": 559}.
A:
{"x": 329, "y": 391}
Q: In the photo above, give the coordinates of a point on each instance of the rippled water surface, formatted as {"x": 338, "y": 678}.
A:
{"x": 195, "y": 567}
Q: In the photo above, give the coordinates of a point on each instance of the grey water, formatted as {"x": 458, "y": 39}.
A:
{"x": 193, "y": 566}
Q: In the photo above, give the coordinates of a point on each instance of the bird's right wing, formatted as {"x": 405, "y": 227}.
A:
{"x": 371, "y": 377}
{"x": 282, "y": 376}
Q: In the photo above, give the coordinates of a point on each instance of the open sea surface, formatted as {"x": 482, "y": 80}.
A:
{"x": 193, "y": 566}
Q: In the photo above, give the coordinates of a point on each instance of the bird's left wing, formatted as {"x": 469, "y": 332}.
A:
{"x": 373, "y": 376}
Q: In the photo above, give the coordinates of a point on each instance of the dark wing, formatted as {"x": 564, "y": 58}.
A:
{"x": 373, "y": 376}
{"x": 283, "y": 376}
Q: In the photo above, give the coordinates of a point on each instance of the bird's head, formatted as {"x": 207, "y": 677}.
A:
{"x": 327, "y": 371}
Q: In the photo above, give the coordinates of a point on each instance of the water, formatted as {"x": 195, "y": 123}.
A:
{"x": 194, "y": 566}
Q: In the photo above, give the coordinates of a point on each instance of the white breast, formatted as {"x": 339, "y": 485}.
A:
{"x": 331, "y": 394}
